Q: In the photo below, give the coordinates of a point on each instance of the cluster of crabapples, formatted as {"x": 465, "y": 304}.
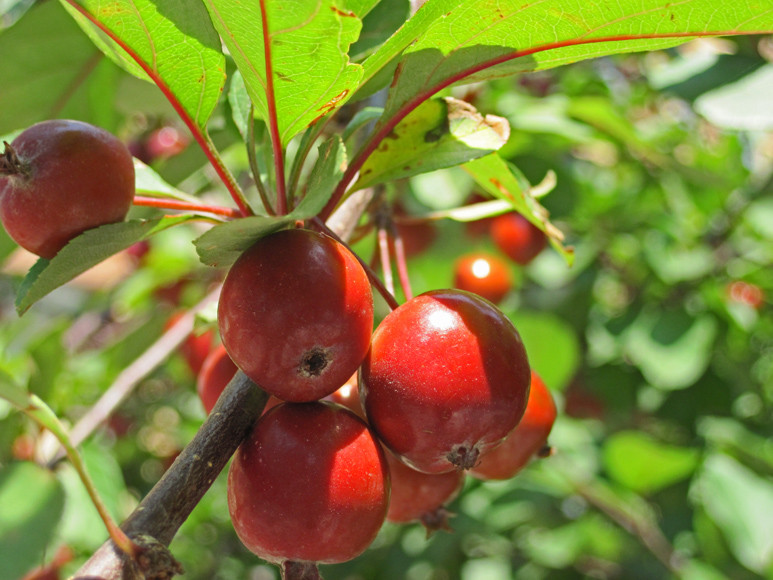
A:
{"x": 441, "y": 388}
{"x": 363, "y": 425}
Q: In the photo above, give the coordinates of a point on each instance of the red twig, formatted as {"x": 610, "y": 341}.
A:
{"x": 402, "y": 265}
{"x": 273, "y": 125}
{"x": 386, "y": 260}
{"x": 374, "y": 279}
{"x": 165, "y": 203}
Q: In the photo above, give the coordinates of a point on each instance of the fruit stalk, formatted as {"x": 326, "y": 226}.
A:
{"x": 172, "y": 499}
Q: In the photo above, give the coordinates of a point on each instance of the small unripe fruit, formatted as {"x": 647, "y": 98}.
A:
{"x": 484, "y": 275}
{"x": 60, "y": 178}
{"x": 517, "y": 237}
{"x": 526, "y": 441}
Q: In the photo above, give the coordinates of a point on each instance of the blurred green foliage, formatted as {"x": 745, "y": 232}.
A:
{"x": 663, "y": 376}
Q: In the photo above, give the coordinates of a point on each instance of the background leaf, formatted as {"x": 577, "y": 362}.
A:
{"x": 629, "y": 457}
{"x": 33, "y": 502}
{"x": 740, "y": 503}
{"x": 52, "y": 59}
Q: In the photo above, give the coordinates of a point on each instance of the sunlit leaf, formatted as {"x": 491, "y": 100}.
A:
{"x": 504, "y": 181}
{"x": 440, "y": 133}
{"x": 449, "y": 41}
{"x": 644, "y": 464}
{"x": 173, "y": 44}
{"x": 292, "y": 56}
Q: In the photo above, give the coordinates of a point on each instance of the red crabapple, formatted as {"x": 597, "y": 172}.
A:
{"x": 60, "y": 178}
{"x": 517, "y": 237}
{"x": 446, "y": 379}
{"x": 296, "y": 314}
{"x": 216, "y": 372}
{"x": 484, "y": 275}
{"x": 310, "y": 484}
{"x": 528, "y": 439}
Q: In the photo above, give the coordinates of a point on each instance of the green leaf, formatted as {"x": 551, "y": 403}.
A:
{"x": 170, "y": 43}
{"x": 224, "y": 243}
{"x": 551, "y": 344}
{"x": 307, "y": 60}
{"x": 671, "y": 348}
{"x": 473, "y": 40}
{"x": 740, "y": 503}
{"x": 385, "y": 18}
{"x": 50, "y": 57}
{"x": 503, "y": 181}
{"x": 239, "y": 101}
{"x": 645, "y": 465}
{"x": 440, "y": 133}
{"x": 325, "y": 175}
{"x": 85, "y": 251}
{"x": 743, "y": 105}
{"x": 33, "y": 503}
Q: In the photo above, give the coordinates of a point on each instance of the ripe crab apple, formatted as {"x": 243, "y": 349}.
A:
{"x": 517, "y": 237}
{"x": 484, "y": 275}
{"x": 310, "y": 484}
{"x": 528, "y": 439}
{"x": 418, "y": 496}
{"x": 446, "y": 379}
{"x": 216, "y": 372}
{"x": 197, "y": 345}
{"x": 296, "y": 314}
{"x": 415, "y": 496}
{"x": 60, "y": 178}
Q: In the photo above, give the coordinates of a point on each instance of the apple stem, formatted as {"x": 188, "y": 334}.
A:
{"x": 386, "y": 259}
{"x": 10, "y": 163}
{"x": 300, "y": 571}
{"x": 372, "y": 276}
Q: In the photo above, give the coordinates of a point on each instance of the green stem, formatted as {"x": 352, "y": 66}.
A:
{"x": 254, "y": 166}
{"x": 42, "y": 414}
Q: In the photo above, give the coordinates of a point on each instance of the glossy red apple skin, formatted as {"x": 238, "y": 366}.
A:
{"x": 418, "y": 496}
{"x": 75, "y": 177}
{"x": 517, "y": 237}
{"x": 483, "y": 274}
{"x": 415, "y": 496}
{"x": 309, "y": 484}
{"x": 525, "y": 441}
{"x": 447, "y": 377}
{"x": 296, "y": 314}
